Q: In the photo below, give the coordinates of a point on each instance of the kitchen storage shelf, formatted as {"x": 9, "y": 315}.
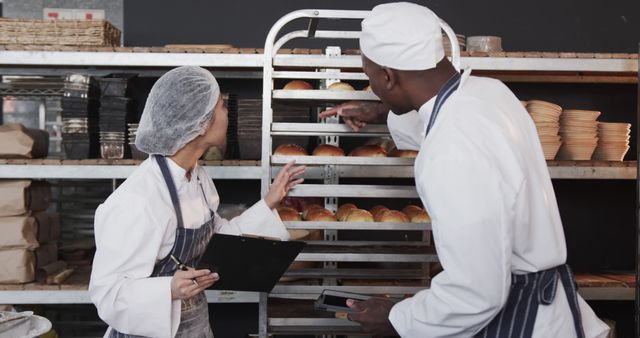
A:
{"x": 113, "y": 169}
{"x": 509, "y": 66}
{"x": 301, "y": 63}
{"x": 250, "y": 170}
{"x": 335, "y": 66}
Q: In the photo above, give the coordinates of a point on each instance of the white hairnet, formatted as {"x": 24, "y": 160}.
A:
{"x": 403, "y": 36}
{"x": 179, "y": 108}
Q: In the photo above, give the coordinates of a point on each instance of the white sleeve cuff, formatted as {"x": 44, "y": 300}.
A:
{"x": 400, "y": 317}
{"x": 152, "y": 312}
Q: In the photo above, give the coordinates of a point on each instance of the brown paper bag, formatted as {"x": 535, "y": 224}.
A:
{"x": 16, "y": 141}
{"x": 51, "y": 269}
{"x": 46, "y": 254}
{"x": 39, "y": 195}
{"x": 18, "y": 266}
{"x": 17, "y": 197}
{"x": 18, "y": 232}
{"x": 13, "y": 197}
{"x": 48, "y": 227}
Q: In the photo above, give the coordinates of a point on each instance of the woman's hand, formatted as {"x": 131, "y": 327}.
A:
{"x": 186, "y": 284}
{"x": 287, "y": 178}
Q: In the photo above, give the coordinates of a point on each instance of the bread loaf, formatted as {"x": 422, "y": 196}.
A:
{"x": 421, "y": 217}
{"x": 309, "y": 208}
{"x": 393, "y": 216}
{"x": 403, "y": 153}
{"x": 344, "y": 210}
{"x": 369, "y": 151}
{"x": 321, "y": 215}
{"x": 341, "y": 86}
{"x": 289, "y": 214}
{"x": 290, "y": 150}
{"x": 412, "y": 210}
{"x": 327, "y": 150}
{"x": 298, "y": 85}
{"x": 359, "y": 215}
{"x": 377, "y": 211}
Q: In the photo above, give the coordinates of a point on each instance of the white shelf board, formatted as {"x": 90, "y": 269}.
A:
{"x": 357, "y": 226}
{"x": 346, "y": 166}
{"x": 82, "y": 297}
{"x": 324, "y": 95}
{"x": 352, "y": 190}
{"x": 37, "y": 171}
{"x": 215, "y": 60}
{"x": 343, "y": 160}
{"x": 120, "y": 59}
{"x": 607, "y": 293}
{"x": 593, "y": 172}
{"x": 481, "y": 63}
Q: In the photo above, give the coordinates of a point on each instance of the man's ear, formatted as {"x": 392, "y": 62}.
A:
{"x": 390, "y": 77}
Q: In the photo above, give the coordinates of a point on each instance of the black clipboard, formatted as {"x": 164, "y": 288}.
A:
{"x": 248, "y": 263}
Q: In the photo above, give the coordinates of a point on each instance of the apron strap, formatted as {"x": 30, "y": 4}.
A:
{"x": 206, "y": 200}
{"x": 518, "y": 316}
{"x": 443, "y": 94}
{"x": 162, "y": 162}
{"x": 571, "y": 289}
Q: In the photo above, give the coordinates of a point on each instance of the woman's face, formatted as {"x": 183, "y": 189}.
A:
{"x": 216, "y": 135}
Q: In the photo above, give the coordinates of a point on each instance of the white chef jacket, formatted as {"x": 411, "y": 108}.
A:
{"x": 482, "y": 177}
{"x": 135, "y": 227}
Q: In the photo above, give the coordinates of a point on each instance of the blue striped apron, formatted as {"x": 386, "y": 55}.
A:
{"x": 528, "y": 291}
{"x": 188, "y": 247}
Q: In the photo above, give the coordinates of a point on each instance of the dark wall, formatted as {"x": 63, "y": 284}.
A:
{"x": 598, "y": 216}
{"x": 542, "y": 25}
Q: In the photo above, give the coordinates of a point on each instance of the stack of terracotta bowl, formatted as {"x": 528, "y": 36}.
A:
{"x": 579, "y": 131}
{"x": 546, "y": 116}
{"x": 613, "y": 141}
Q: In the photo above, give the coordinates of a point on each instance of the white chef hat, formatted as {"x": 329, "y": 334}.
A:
{"x": 403, "y": 36}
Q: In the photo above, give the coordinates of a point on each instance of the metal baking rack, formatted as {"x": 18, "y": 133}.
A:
{"x": 336, "y": 256}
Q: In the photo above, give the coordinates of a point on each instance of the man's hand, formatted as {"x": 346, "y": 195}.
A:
{"x": 356, "y": 114}
{"x": 373, "y": 315}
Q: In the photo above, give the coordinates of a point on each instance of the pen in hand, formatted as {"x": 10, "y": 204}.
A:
{"x": 182, "y": 267}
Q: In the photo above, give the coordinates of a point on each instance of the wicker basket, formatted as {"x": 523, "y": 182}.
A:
{"x": 58, "y": 32}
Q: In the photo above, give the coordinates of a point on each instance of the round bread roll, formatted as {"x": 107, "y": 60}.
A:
{"x": 344, "y": 210}
{"x": 369, "y": 151}
{"x": 412, "y": 210}
{"x": 308, "y": 208}
{"x": 386, "y": 143}
{"x": 321, "y": 215}
{"x": 289, "y": 214}
{"x": 340, "y": 86}
{"x": 342, "y": 315}
{"x": 359, "y": 215}
{"x": 403, "y": 153}
{"x": 298, "y": 85}
{"x": 421, "y": 217}
{"x": 327, "y": 150}
{"x": 290, "y": 150}
{"x": 393, "y": 216}
{"x": 377, "y": 211}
